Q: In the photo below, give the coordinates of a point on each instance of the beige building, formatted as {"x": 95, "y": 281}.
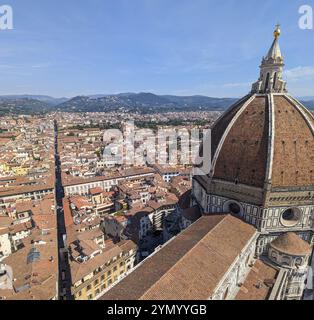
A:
{"x": 77, "y": 185}
{"x": 93, "y": 277}
{"x": 95, "y": 261}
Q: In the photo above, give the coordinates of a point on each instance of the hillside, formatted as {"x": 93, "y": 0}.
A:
{"x": 23, "y": 106}
{"x": 127, "y": 102}
{"x": 144, "y": 103}
{"x": 42, "y": 98}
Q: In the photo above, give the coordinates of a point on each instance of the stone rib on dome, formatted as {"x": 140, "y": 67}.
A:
{"x": 292, "y": 244}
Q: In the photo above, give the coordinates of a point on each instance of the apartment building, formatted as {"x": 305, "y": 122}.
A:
{"x": 94, "y": 277}
{"x": 81, "y": 186}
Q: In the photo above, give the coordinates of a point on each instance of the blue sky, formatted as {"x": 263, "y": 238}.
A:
{"x": 183, "y": 47}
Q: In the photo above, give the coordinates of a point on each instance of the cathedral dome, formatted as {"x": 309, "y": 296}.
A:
{"x": 292, "y": 244}
{"x": 266, "y": 138}
{"x": 261, "y": 171}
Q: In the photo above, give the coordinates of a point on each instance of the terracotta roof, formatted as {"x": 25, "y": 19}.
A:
{"x": 24, "y": 206}
{"x": 20, "y": 227}
{"x": 4, "y": 231}
{"x": 80, "y": 202}
{"x": 191, "y": 265}
{"x": 45, "y": 221}
{"x": 96, "y": 190}
{"x": 5, "y": 221}
{"x": 291, "y": 243}
{"x": 68, "y": 219}
{"x": 80, "y": 270}
{"x": 45, "y": 206}
{"x": 127, "y": 245}
{"x": 44, "y": 184}
{"x": 35, "y": 273}
{"x": 90, "y": 234}
{"x": 259, "y": 282}
{"x": 164, "y": 169}
{"x": 68, "y": 180}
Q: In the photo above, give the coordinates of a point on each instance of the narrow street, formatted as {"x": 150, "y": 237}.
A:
{"x": 64, "y": 269}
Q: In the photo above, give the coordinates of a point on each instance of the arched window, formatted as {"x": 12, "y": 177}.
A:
{"x": 267, "y": 82}
{"x": 275, "y": 80}
{"x": 248, "y": 259}
{"x": 285, "y": 261}
{"x": 273, "y": 255}
{"x": 226, "y": 294}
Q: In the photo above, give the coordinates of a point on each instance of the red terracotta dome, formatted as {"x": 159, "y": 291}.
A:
{"x": 292, "y": 244}
{"x": 264, "y": 138}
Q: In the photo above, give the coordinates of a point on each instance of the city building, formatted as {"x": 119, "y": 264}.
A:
{"x": 96, "y": 262}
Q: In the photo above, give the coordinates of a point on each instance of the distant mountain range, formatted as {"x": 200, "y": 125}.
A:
{"x": 144, "y": 103}
{"x": 28, "y": 104}
{"x": 309, "y": 104}
{"x": 128, "y": 102}
{"x": 47, "y": 99}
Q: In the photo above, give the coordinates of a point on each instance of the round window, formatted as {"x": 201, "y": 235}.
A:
{"x": 234, "y": 208}
{"x": 290, "y": 217}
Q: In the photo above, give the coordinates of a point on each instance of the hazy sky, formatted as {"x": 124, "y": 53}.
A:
{"x": 209, "y": 47}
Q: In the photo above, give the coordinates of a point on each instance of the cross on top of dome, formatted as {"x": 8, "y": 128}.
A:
{"x": 270, "y": 79}
{"x": 277, "y": 31}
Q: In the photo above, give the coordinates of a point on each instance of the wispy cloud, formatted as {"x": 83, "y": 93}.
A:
{"x": 300, "y": 73}
{"x": 237, "y": 85}
{"x": 22, "y": 69}
{"x": 6, "y": 66}
{"x": 41, "y": 65}
{"x": 224, "y": 90}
